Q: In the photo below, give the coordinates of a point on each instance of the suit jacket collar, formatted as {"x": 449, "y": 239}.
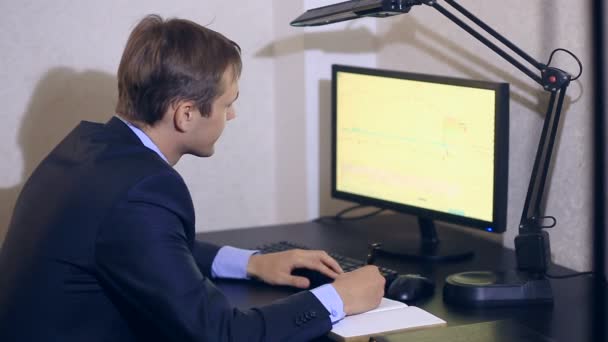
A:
{"x": 119, "y": 129}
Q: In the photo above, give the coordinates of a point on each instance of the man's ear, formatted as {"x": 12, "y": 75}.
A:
{"x": 183, "y": 115}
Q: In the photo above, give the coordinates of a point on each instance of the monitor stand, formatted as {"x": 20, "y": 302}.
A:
{"x": 428, "y": 248}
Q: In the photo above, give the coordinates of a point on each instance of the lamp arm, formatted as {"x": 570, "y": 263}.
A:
{"x": 531, "y": 219}
{"x": 551, "y": 79}
{"x": 496, "y": 35}
{"x": 487, "y": 42}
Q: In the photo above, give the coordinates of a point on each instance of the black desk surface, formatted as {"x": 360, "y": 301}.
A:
{"x": 568, "y": 319}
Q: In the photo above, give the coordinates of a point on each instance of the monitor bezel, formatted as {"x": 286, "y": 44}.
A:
{"x": 501, "y": 150}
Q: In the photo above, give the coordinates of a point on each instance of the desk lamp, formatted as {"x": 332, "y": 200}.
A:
{"x": 528, "y": 284}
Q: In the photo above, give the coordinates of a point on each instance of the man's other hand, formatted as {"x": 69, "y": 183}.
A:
{"x": 361, "y": 290}
{"x": 276, "y": 268}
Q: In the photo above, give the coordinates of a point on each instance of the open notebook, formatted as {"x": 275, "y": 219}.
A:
{"x": 390, "y": 316}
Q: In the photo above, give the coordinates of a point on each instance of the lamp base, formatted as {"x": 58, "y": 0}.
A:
{"x": 491, "y": 289}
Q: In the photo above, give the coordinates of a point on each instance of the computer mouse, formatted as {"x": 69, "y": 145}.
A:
{"x": 410, "y": 287}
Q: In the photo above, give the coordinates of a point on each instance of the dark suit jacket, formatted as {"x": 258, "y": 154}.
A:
{"x": 101, "y": 247}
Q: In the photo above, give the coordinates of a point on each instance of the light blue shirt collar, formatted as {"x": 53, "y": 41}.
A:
{"x": 145, "y": 139}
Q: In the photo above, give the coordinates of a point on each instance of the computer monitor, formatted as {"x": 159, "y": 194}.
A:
{"x": 432, "y": 146}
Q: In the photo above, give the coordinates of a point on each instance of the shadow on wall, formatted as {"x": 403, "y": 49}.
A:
{"x": 348, "y": 41}
{"x": 411, "y": 32}
{"x": 62, "y": 98}
{"x": 327, "y": 205}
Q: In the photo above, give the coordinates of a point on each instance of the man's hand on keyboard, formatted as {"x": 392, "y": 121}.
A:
{"x": 361, "y": 290}
{"x": 276, "y": 268}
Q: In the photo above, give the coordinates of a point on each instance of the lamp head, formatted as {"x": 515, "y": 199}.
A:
{"x": 354, "y": 9}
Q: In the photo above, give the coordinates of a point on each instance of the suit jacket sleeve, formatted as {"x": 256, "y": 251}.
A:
{"x": 204, "y": 253}
{"x": 145, "y": 263}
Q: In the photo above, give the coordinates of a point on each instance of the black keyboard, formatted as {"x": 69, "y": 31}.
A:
{"x": 316, "y": 278}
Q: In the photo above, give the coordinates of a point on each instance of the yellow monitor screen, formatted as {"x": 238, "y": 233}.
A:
{"x": 429, "y": 145}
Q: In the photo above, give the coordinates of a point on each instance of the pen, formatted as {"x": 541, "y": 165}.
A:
{"x": 371, "y": 252}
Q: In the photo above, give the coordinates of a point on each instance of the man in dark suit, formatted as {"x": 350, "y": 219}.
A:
{"x": 101, "y": 245}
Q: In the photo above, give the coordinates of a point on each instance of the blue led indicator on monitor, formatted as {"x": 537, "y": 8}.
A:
{"x": 490, "y": 229}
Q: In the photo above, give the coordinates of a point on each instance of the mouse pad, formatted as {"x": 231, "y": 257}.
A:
{"x": 495, "y": 331}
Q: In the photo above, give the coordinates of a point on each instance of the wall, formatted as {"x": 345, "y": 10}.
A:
{"x": 58, "y": 66}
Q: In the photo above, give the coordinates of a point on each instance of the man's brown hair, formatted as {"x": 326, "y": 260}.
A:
{"x": 169, "y": 61}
